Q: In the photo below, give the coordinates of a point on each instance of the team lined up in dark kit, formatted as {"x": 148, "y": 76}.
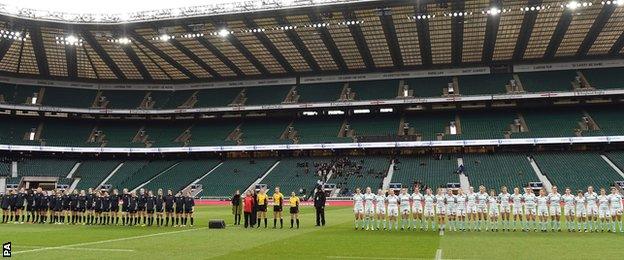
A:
{"x": 97, "y": 207}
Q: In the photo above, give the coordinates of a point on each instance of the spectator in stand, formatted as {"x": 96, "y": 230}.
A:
{"x": 248, "y": 208}
{"x": 319, "y": 205}
{"x": 237, "y": 207}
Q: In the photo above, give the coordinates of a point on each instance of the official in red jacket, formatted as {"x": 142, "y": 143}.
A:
{"x": 248, "y": 206}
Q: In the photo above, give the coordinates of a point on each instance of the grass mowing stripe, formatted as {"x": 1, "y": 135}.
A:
{"x": 107, "y": 241}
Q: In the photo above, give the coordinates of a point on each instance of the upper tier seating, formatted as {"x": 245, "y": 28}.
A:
{"x": 68, "y": 97}
{"x": 576, "y": 170}
{"x": 291, "y": 175}
{"x": 5, "y": 168}
{"x": 547, "y": 80}
{"x": 164, "y": 133}
{"x": 483, "y": 84}
{"x": 257, "y": 131}
{"x": 485, "y": 125}
{"x": 611, "y": 122}
{"x": 210, "y": 133}
{"x": 605, "y": 78}
{"x": 374, "y": 125}
{"x": 324, "y": 92}
{"x": 321, "y": 130}
{"x": 148, "y": 171}
{"x": 551, "y": 123}
{"x": 429, "y": 170}
{"x": 93, "y": 172}
{"x": 216, "y": 97}
{"x": 264, "y": 95}
{"x": 428, "y": 125}
{"x": 180, "y": 176}
{"x": 372, "y": 90}
{"x": 428, "y": 87}
{"x": 120, "y": 99}
{"x": 232, "y": 175}
{"x": 45, "y": 167}
{"x": 120, "y": 134}
{"x": 23, "y": 92}
{"x": 497, "y": 170}
{"x": 56, "y": 133}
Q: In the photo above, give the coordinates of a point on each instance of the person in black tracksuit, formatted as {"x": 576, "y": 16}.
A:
{"x": 106, "y": 203}
{"x": 90, "y": 199}
{"x": 125, "y": 210}
{"x": 57, "y": 207}
{"x": 30, "y": 206}
{"x": 179, "y": 208}
{"x": 189, "y": 204}
{"x": 169, "y": 203}
{"x": 319, "y": 205}
{"x": 150, "y": 206}
{"x": 4, "y": 204}
{"x": 81, "y": 206}
{"x": 41, "y": 205}
{"x": 13, "y": 205}
{"x": 97, "y": 207}
{"x": 20, "y": 199}
{"x": 132, "y": 208}
{"x": 114, "y": 207}
{"x": 142, "y": 199}
{"x": 65, "y": 201}
{"x": 160, "y": 200}
{"x": 73, "y": 207}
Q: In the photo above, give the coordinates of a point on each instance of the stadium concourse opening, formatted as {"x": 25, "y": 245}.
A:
{"x": 359, "y": 126}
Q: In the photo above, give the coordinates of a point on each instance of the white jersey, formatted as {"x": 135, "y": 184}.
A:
{"x": 581, "y": 210}
{"x": 429, "y": 203}
{"x": 493, "y": 206}
{"x": 530, "y": 200}
{"x": 380, "y": 204}
{"x": 417, "y": 200}
{"x": 504, "y": 199}
{"x": 542, "y": 201}
{"x": 615, "y": 201}
{"x": 603, "y": 201}
{"x": 393, "y": 201}
{"x": 516, "y": 200}
{"x": 471, "y": 199}
{"x": 460, "y": 201}
{"x": 369, "y": 200}
{"x": 554, "y": 200}
{"x": 591, "y": 199}
{"x": 568, "y": 200}
{"x": 482, "y": 199}
{"x": 358, "y": 200}
{"x": 440, "y": 203}
{"x": 405, "y": 200}
{"x": 450, "y": 201}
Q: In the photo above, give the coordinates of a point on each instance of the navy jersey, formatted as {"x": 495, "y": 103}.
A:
{"x": 65, "y": 200}
{"x": 73, "y": 201}
{"x": 132, "y": 203}
{"x": 169, "y": 201}
{"x": 159, "y": 202}
{"x": 30, "y": 199}
{"x": 12, "y": 200}
{"x": 20, "y": 198}
{"x": 97, "y": 203}
{"x": 114, "y": 201}
{"x": 82, "y": 202}
{"x": 189, "y": 203}
{"x": 4, "y": 201}
{"x": 179, "y": 202}
{"x": 90, "y": 199}
{"x": 106, "y": 203}
{"x": 150, "y": 203}
{"x": 142, "y": 199}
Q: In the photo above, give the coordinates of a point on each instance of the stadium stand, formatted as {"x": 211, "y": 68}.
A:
{"x": 45, "y": 167}
{"x": 372, "y": 90}
{"x": 483, "y": 84}
{"x": 235, "y": 174}
{"x": 429, "y": 125}
{"x": 132, "y": 179}
{"x": 257, "y": 131}
{"x": 128, "y": 99}
{"x": 485, "y": 125}
{"x": 208, "y": 133}
{"x": 428, "y": 87}
{"x": 55, "y": 133}
{"x": 608, "y": 78}
{"x": 319, "y": 92}
{"x": 68, "y": 97}
{"x": 547, "y": 80}
{"x": 554, "y": 123}
{"x": 125, "y": 171}
{"x": 296, "y": 174}
{"x": 23, "y": 92}
{"x": 93, "y": 172}
{"x": 378, "y": 125}
{"x": 5, "y": 168}
{"x": 609, "y": 121}
{"x": 319, "y": 130}
{"x": 358, "y": 172}
{"x": 617, "y": 157}
{"x": 216, "y": 97}
{"x": 429, "y": 170}
{"x": 576, "y": 170}
{"x": 181, "y": 175}
{"x": 266, "y": 95}
{"x": 499, "y": 169}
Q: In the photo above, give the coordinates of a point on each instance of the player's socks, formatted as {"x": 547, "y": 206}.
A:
{"x": 281, "y": 222}
{"x": 292, "y": 221}
{"x": 297, "y": 221}
{"x": 265, "y": 223}
{"x": 274, "y": 223}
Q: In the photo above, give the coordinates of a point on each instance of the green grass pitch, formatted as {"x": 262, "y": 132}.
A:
{"x": 338, "y": 240}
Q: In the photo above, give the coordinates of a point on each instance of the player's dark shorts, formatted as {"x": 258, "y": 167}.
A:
{"x": 178, "y": 210}
{"x": 188, "y": 211}
{"x": 262, "y": 208}
{"x": 140, "y": 208}
{"x": 294, "y": 210}
{"x": 19, "y": 208}
{"x": 114, "y": 209}
{"x": 5, "y": 208}
{"x": 277, "y": 208}
{"x": 42, "y": 207}
{"x": 159, "y": 209}
{"x": 30, "y": 208}
{"x": 66, "y": 207}
{"x": 124, "y": 208}
{"x": 150, "y": 211}
{"x": 89, "y": 207}
{"x": 132, "y": 211}
{"x": 98, "y": 210}
{"x": 169, "y": 209}
{"x": 57, "y": 209}
{"x": 80, "y": 209}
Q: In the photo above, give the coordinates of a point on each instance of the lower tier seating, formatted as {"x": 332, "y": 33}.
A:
{"x": 181, "y": 175}
{"x": 234, "y": 175}
{"x": 497, "y": 170}
{"x": 429, "y": 170}
{"x": 93, "y": 172}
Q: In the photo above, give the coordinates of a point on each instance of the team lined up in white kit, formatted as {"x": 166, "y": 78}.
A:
{"x": 587, "y": 211}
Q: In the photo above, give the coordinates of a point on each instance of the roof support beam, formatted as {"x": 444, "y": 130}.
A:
{"x": 528, "y": 22}
{"x": 560, "y": 31}
{"x": 424, "y": 39}
{"x": 491, "y": 31}
{"x": 387, "y": 23}
{"x": 72, "y": 61}
{"x": 194, "y": 57}
{"x": 301, "y": 47}
{"x": 162, "y": 55}
{"x": 457, "y": 31}
{"x": 88, "y": 37}
{"x": 360, "y": 42}
{"x": 596, "y": 28}
{"x": 215, "y": 51}
{"x": 5, "y": 45}
{"x": 136, "y": 61}
{"x": 269, "y": 46}
{"x": 329, "y": 42}
{"x": 617, "y": 46}
{"x": 40, "y": 54}
{"x": 246, "y": 53}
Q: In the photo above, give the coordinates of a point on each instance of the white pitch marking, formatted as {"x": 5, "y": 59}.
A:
{"x": 368, "y": 257}
{"x": 438, "y": 255}
{"x": 79, "y": 249}
{"x": 107, "y": 241}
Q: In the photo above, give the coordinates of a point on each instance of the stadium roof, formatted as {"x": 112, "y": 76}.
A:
{"x": 366, "y": 36}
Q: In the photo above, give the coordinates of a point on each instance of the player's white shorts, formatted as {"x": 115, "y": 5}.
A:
{"x": 568, "y": 210}
{"x": 450, "y": 209}
{"x": 358, "y": 209}
{"x": 369, "y": 210}
{"x": 460, "y": 212}
{"x": 517, "y": 210}
{"x": 604, "y": 212}
{"x": 380, "y": 210}
{"x": 581, "y": 212}
{"x": 441, "y": 210}
{"x": 493, "y": 211}
{"x": 505, "y": 208}
{"x": 417, "y": 208}
{"x": 616, "y": 211}
{"x": 542, "y": 211}
{"x": 471, "y": 208}
{"x": 429, "y": 212}
{"x": 481, "y": 209}
{"x": 555, "y": 211}
{"x": 530, "y": 210}
{"x": 393, "y": 211}
{"x": 405, "y": 210}
{"x": 592, "y": 209}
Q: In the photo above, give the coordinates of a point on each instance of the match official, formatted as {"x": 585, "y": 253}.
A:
{"x": 319, "y": 205}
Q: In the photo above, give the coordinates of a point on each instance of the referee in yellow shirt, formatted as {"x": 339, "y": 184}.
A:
{"x": 278, "y": 202}
{"x": 294, "y": 209}
{"x": 262, "y": 201}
